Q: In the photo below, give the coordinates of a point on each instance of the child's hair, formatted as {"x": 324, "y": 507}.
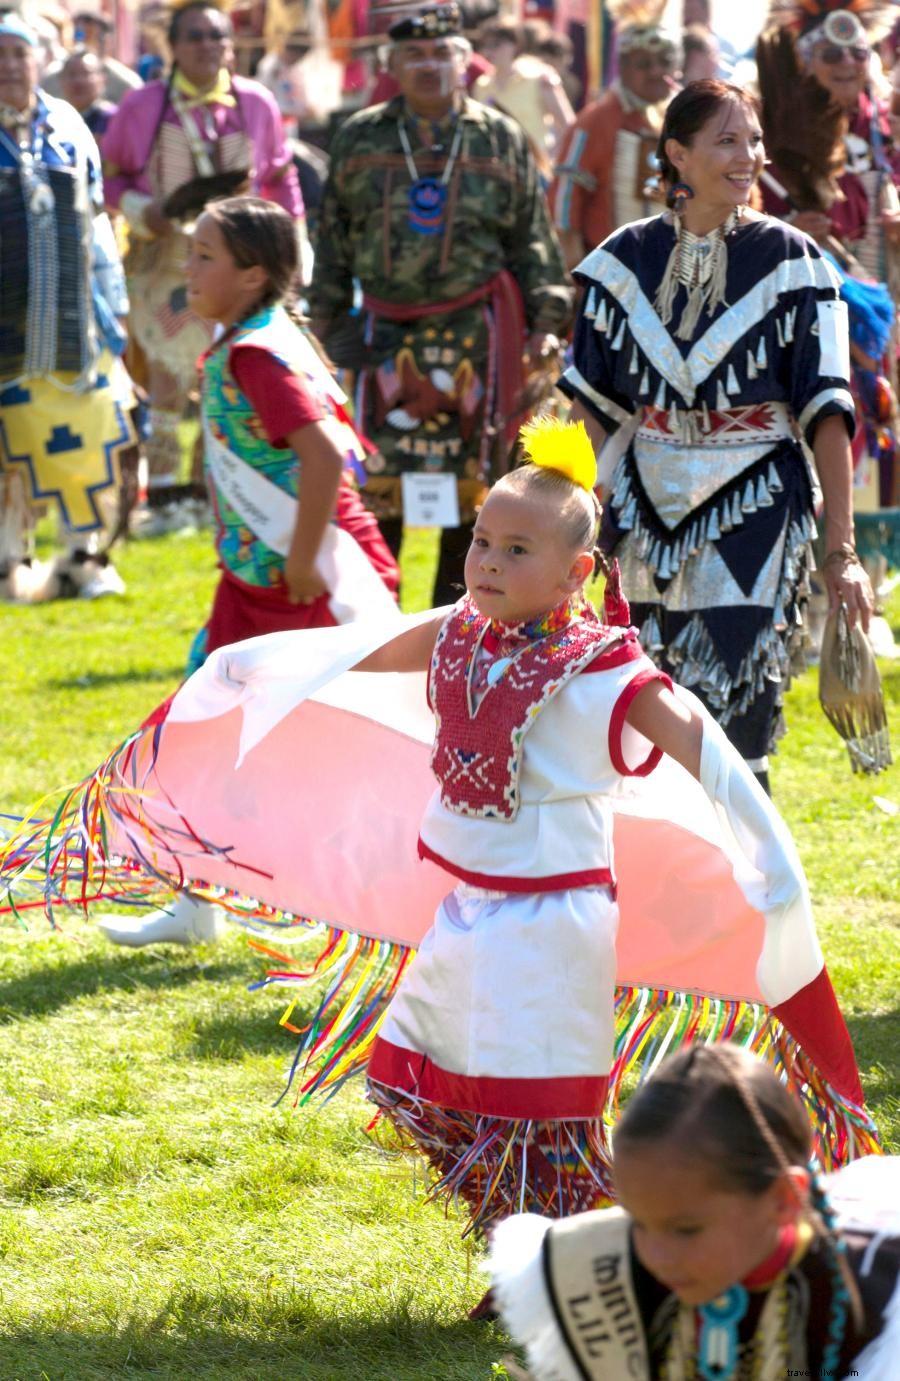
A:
{"x": 727, "y": 1108}
{"x": 259, "y": 232}
{"x": 579, "y": 509}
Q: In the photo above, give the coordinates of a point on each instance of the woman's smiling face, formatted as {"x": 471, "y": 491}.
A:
{"x": 724, "y": 158}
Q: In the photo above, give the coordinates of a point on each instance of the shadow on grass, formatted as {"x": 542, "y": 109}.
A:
{"x": 232, "y": 1035}
{"x": 875, "y": 1033}
{"x": 97, "y": 680}
{"x": 206, "y": 1336}
{"x": 54, "y": 986}
{"x": 876, "y": 1040}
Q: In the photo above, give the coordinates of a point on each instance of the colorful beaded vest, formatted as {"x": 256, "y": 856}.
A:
{"x": 477, "y": 754}
{"x": 231, "y": 418}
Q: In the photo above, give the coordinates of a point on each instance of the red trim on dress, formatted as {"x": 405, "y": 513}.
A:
{"x": 812, "y": 1016}
{"x": 493, "y": 882}
{"x": 550, "y": 1099}
{"x": 628, "y": 651}
{"x": 617, "y": 724}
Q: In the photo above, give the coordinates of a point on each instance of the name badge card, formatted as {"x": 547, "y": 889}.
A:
{"x": 430, "y": 500}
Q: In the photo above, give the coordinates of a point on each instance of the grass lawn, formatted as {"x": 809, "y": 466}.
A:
{"x": 158, "y": 1217}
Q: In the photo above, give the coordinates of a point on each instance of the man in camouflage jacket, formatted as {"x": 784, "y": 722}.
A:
{"x": 434, "y": 204}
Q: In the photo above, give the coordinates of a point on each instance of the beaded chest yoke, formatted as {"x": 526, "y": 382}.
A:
{"x": 477, "y": 753}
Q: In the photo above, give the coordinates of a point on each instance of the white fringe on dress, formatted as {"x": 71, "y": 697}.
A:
{"x": 516, "y": 1267}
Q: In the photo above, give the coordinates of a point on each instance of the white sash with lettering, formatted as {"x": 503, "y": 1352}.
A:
{"x": 565, "y": 1292}
{"x": 355, "y": 590}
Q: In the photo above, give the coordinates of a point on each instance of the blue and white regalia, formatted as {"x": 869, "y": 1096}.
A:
{"x": 710, "y": 504}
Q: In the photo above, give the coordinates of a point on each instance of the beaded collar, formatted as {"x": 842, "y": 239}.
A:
{"x": 531, "y": 630}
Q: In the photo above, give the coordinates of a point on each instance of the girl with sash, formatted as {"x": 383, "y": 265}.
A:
{"x": 726, "y": 1259}
{"x": 296, "y": 547}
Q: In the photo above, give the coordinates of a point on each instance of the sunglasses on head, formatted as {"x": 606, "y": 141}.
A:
{"x": 833, "y": 53}
{"x": 199, "y": 35}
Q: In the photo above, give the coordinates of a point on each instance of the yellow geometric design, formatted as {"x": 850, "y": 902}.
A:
{"x": 65, "y": 443}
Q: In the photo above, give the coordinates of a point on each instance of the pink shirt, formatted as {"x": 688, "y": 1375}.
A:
{"x": 130, "y": 141}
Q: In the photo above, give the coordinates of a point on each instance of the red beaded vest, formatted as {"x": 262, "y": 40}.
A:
{"x": 477, "y": 754}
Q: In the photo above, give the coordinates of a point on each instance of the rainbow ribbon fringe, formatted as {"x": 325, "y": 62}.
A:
{"x": 490, "y": 1166}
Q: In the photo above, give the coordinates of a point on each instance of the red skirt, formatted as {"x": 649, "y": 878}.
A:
{"x": 247, "y": 611}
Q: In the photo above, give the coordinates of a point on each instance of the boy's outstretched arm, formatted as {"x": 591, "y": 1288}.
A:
{"x": 672, "y": 725}
{"x": 683, "y": 728}
{"x": 409, "y": 651}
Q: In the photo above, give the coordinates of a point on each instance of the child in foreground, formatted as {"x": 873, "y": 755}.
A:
{"x": 724, "y": 1260}
{"x": 296, "y": 547}
{"x": 495, "y": 1054}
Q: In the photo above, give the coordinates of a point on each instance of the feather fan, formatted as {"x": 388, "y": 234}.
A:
{"x": 803, "y": 128}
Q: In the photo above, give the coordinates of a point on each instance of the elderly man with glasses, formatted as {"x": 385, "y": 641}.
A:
{"x": 606, "y": 159}
{"x": 172, "y": 146}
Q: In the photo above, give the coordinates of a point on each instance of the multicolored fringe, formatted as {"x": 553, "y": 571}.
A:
{"x": 493, "y": 1166}
{"x": 654, "y": 1022}
{"x": 362, "y": 977}
{"x": 63, "y": 860}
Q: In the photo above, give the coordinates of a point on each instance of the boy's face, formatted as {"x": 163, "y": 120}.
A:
{"x": 519, "y": 565}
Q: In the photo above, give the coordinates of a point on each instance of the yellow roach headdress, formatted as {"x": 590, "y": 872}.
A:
{"x": 562, "y": 446}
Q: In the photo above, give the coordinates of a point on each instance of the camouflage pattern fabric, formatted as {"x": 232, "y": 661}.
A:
{"x": 424, "y": 394}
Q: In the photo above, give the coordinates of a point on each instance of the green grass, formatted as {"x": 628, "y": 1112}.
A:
{"x": 158, "y": 1217}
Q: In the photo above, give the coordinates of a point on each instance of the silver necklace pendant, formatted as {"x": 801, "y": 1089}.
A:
{"x": 497, "y": 669}
{"x": 41, "y": 199}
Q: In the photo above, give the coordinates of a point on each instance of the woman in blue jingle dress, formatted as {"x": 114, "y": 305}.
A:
{"x": 713, "y": 339}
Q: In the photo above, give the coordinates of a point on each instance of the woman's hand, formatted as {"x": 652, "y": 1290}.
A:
{"x": 844, "y": 577}
{"x": 304, "y": 584}
{"x": 847, "y": 583}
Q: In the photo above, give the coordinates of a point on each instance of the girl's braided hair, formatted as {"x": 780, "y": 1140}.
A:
{"x": 734, "y": 1112}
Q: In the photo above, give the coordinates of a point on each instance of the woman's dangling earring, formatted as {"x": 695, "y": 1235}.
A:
{"x": 679, "y": 196}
